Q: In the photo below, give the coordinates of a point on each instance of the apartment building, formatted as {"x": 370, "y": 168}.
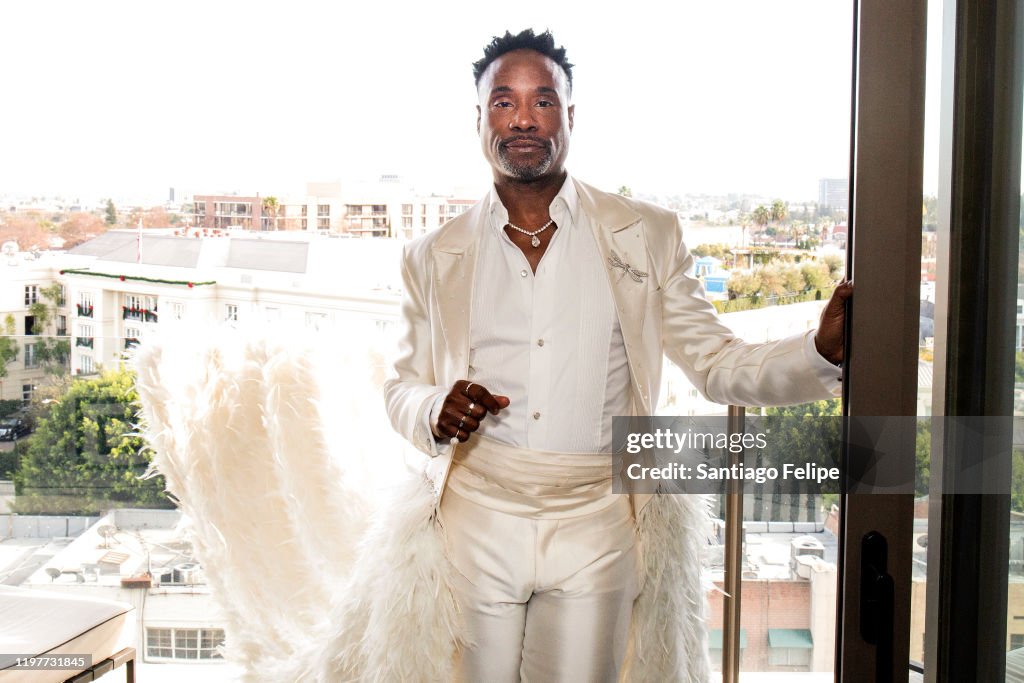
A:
{"x": 227, "y": 211}
{"x": 388, "y": 208}
{"x": 383, "y": 208}
{"x": 300, "y": 280}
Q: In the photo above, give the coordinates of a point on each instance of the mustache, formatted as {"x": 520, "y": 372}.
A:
{"x": 524, "y": 138}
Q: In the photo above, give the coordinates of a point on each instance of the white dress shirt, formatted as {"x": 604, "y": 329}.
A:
{"x": 548, "y": 341}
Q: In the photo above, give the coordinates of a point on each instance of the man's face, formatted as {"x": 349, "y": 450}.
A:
{"x": 524, "y": 117}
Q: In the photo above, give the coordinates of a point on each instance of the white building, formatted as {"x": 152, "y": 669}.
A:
{"x": 301, "y": 280}
{"x": 385, "y": 208}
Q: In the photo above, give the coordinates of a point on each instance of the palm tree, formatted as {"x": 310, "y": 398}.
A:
{"x": 779, "y": 211}
{"x": 762, "y": 216}
{"x": 271, "y": 207}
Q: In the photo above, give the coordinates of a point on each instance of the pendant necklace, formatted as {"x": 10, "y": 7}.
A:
{"x": 534, "y": 240}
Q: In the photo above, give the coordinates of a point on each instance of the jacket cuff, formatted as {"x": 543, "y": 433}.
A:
{"x": 425, "y": 437}
{"x": 830, "y": 376}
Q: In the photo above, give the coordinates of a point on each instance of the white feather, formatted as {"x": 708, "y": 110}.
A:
{"x": 275, "y": 447}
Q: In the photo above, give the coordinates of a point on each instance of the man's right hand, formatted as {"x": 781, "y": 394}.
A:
{"x": 464, "y": 407}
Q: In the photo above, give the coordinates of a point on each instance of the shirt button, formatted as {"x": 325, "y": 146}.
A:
{"x": 540, "y": 342}
{"x": 536, "y": 416}
{"x": 522, "y": 273}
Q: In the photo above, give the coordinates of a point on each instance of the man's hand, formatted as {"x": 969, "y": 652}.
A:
{"x": 829, "y": 339}
{"x": 464, "y": 407}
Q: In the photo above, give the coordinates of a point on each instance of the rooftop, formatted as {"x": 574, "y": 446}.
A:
{"x": 123, "y": 543}
{"x": 285, "y": 259}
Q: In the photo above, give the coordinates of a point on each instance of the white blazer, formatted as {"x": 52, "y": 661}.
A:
{"x": 660, "y": 306}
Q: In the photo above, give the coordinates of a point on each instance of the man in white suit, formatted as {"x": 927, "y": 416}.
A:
{"x": 530, "y": 321}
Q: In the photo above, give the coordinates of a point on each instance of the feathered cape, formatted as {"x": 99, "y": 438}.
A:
{"x": 319, "y": 543}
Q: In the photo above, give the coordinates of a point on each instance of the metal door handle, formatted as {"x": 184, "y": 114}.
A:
{"x": 876, "y": 602}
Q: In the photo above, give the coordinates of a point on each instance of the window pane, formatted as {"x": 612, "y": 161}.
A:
{"x": 1015, "y": 594}
{"x": 768, "y": 257}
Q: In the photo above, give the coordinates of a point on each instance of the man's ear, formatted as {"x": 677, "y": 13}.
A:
{"x": 478, "y": 119}
{"x": 572, "y": 112}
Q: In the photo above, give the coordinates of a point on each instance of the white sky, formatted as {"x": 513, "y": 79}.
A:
{"x": 130, "y": 98}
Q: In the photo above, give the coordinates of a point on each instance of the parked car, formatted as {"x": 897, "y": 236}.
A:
{"x": 13, "y": 428}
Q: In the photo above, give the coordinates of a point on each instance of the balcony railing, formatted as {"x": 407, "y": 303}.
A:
{"x": 84, "y": 342}
{"x": 141, "y": 314}
{"x": 129, "y": 342}
{"x": 85, "y": 311}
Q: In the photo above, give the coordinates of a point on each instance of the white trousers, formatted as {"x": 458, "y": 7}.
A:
{"x": 547, "y": 564}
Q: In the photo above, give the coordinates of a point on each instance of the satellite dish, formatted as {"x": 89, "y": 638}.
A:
{"x": 107, "y": 531}
{"x": 9, "y": 248}
{"x": 53, "y": 573}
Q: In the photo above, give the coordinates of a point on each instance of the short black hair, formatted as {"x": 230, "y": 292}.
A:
{"x": 524, "y": 40}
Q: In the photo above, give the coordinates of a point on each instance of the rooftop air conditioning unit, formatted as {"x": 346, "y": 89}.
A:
{"x": 806, "y": 545}
{"x": 803, "y": 566}
{"x": 163, "y": 575}
{"x": 186, "y": 573}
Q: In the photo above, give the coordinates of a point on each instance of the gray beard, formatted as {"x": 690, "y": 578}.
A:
{"x": 524, "y": 172}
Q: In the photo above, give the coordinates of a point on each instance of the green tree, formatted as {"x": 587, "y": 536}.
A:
{"x": 1017, "y": 481}
{"x": 772, "y": 280}
{"x": 930, "y": 212}
{"x": 111, "y": 213}
{"x": 778, "y": 211}
{"x": 761, "y": 216}
{"x": 815, "y": 274}
{"x": 832, "y": 407}
{"x": 625, "y": 191}
{"x": 8, "y": 344}
{"x": 804, "y": 433}
{"x": 9, "y": 406}
{"x": 922, "y": 456}
{"x": 743, "y": 284}
{"x": 271, "y": 209}
{"x": 836, "y": 266}
{"x": 718, "y": 251}
{"x": 51, "y": 352}
{"x": 9, "y": 460}
{"x": 84, "y": 458}
{"x": 793, "y": 278}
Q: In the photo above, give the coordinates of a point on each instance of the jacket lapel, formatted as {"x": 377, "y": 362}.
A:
{"x": 620, "y": 239}
{"x": 455, "y": 257}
